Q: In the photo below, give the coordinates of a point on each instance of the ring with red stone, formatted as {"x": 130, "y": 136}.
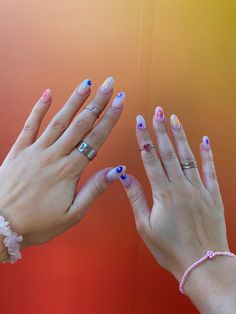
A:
{"x": 147, "y": 147}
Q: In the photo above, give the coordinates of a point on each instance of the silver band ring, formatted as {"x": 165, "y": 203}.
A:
{"x": 189, "y": 165}
{"x": 94, "y": 110}
{"x": 86, "y": 150}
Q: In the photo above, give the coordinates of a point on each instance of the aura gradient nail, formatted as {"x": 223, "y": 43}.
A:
{"x": 46, "y": 96}
{"x": 115, "y": 173}
{"x": 117, "y": 102}
{"x": 206, "y": 142}
{"x": 107, "y": 85}
{"x": 125, "y": 180}
{"x": 175, "y": 123}
{"x": 140, "y": 122}
{"x": 84, "y": 87}
{"x": 159, "y": 114}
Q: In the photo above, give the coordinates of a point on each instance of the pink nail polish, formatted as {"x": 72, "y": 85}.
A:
{"x": 107, "y": 85}
{"x": 140, "y": 122}
{"x": 159, "y": 114}
{"x": 206, "y": 142}
{"x": 125, "y": 180}
{"x": 84, "y": 87}
{"x": 115, "y": 173}
{"x": 175, "y": 123}
{"x": 46, "y": 96}
{"x": 117, "y": 102}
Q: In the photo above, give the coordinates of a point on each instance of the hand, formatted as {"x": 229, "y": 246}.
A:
{"x": 187, "y": 216}
{"x": 40, "y": 175}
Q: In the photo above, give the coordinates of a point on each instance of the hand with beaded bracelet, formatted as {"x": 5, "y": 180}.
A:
{"x": 185, "y": 226}
{"x": 39, "y": 177}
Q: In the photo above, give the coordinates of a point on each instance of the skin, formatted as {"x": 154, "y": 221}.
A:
{"x": 186, "y": 218}
{"x": 41, "y": 174}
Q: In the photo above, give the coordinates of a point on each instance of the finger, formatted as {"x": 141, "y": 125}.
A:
{"x": 154, "y": 169}
{"x": 184, "y": 151}
{"x": 85, "y": 120}
{"x": 91, "y": 190}
{"x": 30, "y": 130}
{"x": 62, "y": 119}
{"x": 98, "y": 134}
{"x": 208, "y": 168}
{"x": 137, "y": 200}
{"x": 165, "y": 147}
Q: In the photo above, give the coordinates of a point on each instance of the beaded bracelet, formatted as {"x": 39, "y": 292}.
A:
{"x": 209, "y": 255}
{"x": 12, "y": 240}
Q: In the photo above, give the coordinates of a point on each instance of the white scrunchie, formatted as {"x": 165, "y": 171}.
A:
{"x": 11, "y": 241}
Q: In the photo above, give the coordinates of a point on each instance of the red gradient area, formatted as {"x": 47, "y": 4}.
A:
{"x": 180, "y": 54}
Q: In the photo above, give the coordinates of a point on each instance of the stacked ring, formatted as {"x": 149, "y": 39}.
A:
{"x": 189, "y": 165}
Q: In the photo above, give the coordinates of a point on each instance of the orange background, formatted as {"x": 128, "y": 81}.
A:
{"x": 180, "y": 54}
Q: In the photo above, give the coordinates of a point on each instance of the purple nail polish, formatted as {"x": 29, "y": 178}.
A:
{"x": 159, "y": 114}
{"x": 140, "y": 122}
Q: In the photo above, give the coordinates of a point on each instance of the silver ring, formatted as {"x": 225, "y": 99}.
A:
{"x": 189, "y": 165}
{"x": 94, "y": 110}
{"x": 86, "y": 150}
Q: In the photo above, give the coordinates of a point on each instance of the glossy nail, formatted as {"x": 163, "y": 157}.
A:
{"x": 117, "y": 102}
{"x": 115, "y": 173}
{"x": 159, "y": 114}
{"x": 125, "y": 180}
{"x": 107, "y": 85}
{"x": 140, "y": 122}
{"x": 84, "y": 87}
{"x": 175, "y": 123}
{"x": 46, "y": 96}
{"x": 206, "y": 142}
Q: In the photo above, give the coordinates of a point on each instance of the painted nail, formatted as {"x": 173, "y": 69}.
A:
{"x": 84, "y": 87}
{"x": 125, "y": 180}
{"x": 117, "y": 102}
{"x": 206, "y": 142}
{"x": 107, "y": 85}
{"x": 140, "y": 122}
{"x": 46, "y": 96}
{"x": 174, "y": 120}
{"x": 115, "y": 173}
{"x": 159, "y": 114}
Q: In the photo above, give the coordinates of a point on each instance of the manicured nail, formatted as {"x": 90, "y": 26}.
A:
{"x": 174, "y": 120}
{"x": 115, "y": 173}
{"x": 84, "y": 87}
{"x": 206, "y": 142}
{"x": 140, "y": 122}
{"x": 107, "y": 85}
{"x": 46, "y": 96}
{"x": 125, "y": 180}
{"x": 117, "y": 102}
{"x": 159, "y": 114}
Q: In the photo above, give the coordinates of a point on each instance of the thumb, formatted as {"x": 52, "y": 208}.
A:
{"x": 94, "y": 187}
{"x": 137, "y": 200}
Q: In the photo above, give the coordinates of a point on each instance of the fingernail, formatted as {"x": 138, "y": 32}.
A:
{"x": 140, "y": 122}
{"x": 206, "y": 142}
{"x": 46, "y": 96}
{"x": 159, "y": 114}
{"x": 84, "y": 87}
{"x": 125, "y": 180}
{"x": 115, "y": 173}
{"x": 117, "y": 102}
{"x": 174, "y": 120}
{"x": 107, "y": 85}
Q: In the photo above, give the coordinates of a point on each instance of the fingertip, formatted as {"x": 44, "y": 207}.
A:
{"x": 46, "y": 97}
{"x": 113, "y": 174}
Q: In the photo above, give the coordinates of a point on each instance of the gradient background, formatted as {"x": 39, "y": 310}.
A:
{"x": 180, "y": 54}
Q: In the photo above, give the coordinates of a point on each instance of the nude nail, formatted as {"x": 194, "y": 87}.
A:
{"x": 140, "y": 122}
{"x": 174, "y": 120}
{"x": 84, "y": 87}
{"x": 159, "y": 114}
{"x": 107, "y": 85}
{"x": 117, "y": 102}
{"x": 46, "y": 96}
{"x": 115, "y": 173}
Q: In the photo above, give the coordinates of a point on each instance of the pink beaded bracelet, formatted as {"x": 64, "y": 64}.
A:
{"x": 209, "y": 255}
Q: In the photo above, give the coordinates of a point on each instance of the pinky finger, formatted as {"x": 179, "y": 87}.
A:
{"x": 208, "y": 168}
{"x": 31, "y": 127}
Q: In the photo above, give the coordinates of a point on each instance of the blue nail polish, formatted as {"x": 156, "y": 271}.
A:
{"x": 120, "y": 94}
{"x": 119, "y": 169}
{"x": 89, "y": 82}
{"x": 123, "y": 176}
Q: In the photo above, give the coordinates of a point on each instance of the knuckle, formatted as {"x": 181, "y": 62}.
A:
{"x": 150, "y": 158}
{"x": 82, "y": 125}
{"x": 58, "y": 124}
{"x": 135, "y": 196}
{"x": 96, "y": 137}
{"x": 212, "y": 175}
{"x": 30, "y": 127}
{"x": 168, "y": 155}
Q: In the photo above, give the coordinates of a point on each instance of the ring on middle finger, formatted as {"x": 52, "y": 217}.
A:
{"x": 94, "y": 110}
